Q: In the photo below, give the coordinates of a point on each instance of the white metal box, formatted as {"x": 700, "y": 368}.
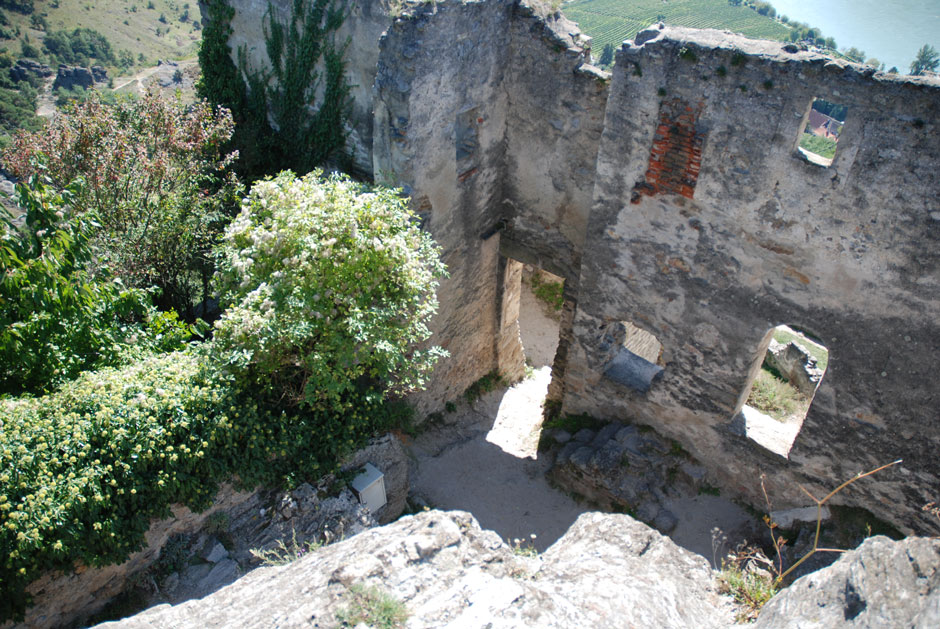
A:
{"x": 369, "y": 486}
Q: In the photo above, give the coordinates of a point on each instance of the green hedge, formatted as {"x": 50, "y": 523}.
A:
{"x": 83, "y": 470}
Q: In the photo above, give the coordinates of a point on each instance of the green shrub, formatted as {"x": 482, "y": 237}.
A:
{"x": 373, "y": 607}
{"x": 775, "y": 397}
{"x": 331, "y": 285}
{"x": 79, "y": 47}
{"x": 56, "y": 318}
{"x": 824, "y": 147}
{"x": 83, "y": 470}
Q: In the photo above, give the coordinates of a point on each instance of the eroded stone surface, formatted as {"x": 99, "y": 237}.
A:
{"x": 881, "y": 584}
{"x": 607, "y": 571}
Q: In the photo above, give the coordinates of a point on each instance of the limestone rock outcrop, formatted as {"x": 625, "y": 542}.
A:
{"x": 70, "y": 77}
{"x": 881, "y": 584}
{"x": 25, "y": 68}
{"x": 607, "y": 571}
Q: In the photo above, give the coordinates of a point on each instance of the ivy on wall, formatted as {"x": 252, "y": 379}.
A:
{"x": 277, "y": 125}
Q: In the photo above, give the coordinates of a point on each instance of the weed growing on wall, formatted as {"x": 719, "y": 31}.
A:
{"x": 548, "y": 292}
{"x": 284, "y": 553}
{"x": 276, "y": 126}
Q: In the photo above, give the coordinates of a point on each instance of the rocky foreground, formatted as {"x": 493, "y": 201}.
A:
{"x": 608, "y": 571}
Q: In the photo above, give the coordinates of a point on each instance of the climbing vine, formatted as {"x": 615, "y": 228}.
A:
{"x": 276, "y": 125}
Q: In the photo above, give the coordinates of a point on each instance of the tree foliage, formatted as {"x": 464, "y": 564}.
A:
{"x": 607, "y": 56}
{"x": 153, "y": 169}
{"x": 79, "y": 47}
{"x": 331, "y": 286}
{"x": 56, "y": 317}
{"x": 926, "y": 60}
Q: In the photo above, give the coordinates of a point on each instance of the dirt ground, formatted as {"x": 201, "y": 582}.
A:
{"x": 484, "y": 459}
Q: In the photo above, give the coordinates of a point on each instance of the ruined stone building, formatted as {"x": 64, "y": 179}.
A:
{"x": 673, "y": 199}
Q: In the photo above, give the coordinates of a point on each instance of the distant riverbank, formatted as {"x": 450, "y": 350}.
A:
{"x": 892, "y": 31}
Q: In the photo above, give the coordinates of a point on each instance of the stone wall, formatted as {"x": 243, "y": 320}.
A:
{"x": 671, "y": 196}
{"x": 556, "y": 113}
{"x": 709, "y": 228}
{"x": 440, "y": 125}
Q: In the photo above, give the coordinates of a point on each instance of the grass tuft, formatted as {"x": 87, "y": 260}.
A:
{"x": 372, "y": 607}
{"x": 775, "y": 397}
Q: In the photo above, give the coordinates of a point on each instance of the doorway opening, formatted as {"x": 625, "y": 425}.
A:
{"x": 781, "y": 387}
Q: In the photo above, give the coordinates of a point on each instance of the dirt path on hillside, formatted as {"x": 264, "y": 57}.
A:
{"x": 122, "y": 82}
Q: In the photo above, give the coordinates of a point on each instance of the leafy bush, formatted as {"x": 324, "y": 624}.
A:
{"x": 154, "y": 177}
{"x": 331, "y": 286}
{"x": 56, "y": 318}
{"x": 20, "y": 6}
{"x": 83, "y": 470}
{"x": 824, "y": 147}
{"x": 18, "y": 109}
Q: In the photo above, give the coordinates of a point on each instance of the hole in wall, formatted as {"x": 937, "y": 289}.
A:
{"x": 781, "y": 388}
{"x": 637, "y": 359}
{"x": 820, "y": 132}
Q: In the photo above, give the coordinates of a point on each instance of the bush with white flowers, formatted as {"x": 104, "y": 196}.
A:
{"x": 330, "y": 286}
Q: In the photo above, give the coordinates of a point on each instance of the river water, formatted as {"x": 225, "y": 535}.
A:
{"x": 890, "y": 30}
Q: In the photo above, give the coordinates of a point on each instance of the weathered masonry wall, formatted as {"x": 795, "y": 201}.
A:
{"x": 673, "y": 200}
{"x": 709, "y": 228}
{"x": 440, "y": 124}
{"x": 555, "y": 119}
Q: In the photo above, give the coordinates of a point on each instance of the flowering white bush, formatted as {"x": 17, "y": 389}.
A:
{"x": 330, "y": 284}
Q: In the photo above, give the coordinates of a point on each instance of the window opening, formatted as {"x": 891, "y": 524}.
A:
{"x": 780, "y": 392}
{"x": 637, "y": 360}
{"x": 821, "y": 131}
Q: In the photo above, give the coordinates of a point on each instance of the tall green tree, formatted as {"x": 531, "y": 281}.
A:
{"x": 927, "y": 60}
{"x": 607, "y": 56}
{"x": 276, "y": 126}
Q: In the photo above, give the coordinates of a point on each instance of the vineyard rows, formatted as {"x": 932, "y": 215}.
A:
{"x": 612, "y": 21}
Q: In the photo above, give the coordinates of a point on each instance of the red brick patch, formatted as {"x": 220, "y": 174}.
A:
{"x": 676, "y": 155}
